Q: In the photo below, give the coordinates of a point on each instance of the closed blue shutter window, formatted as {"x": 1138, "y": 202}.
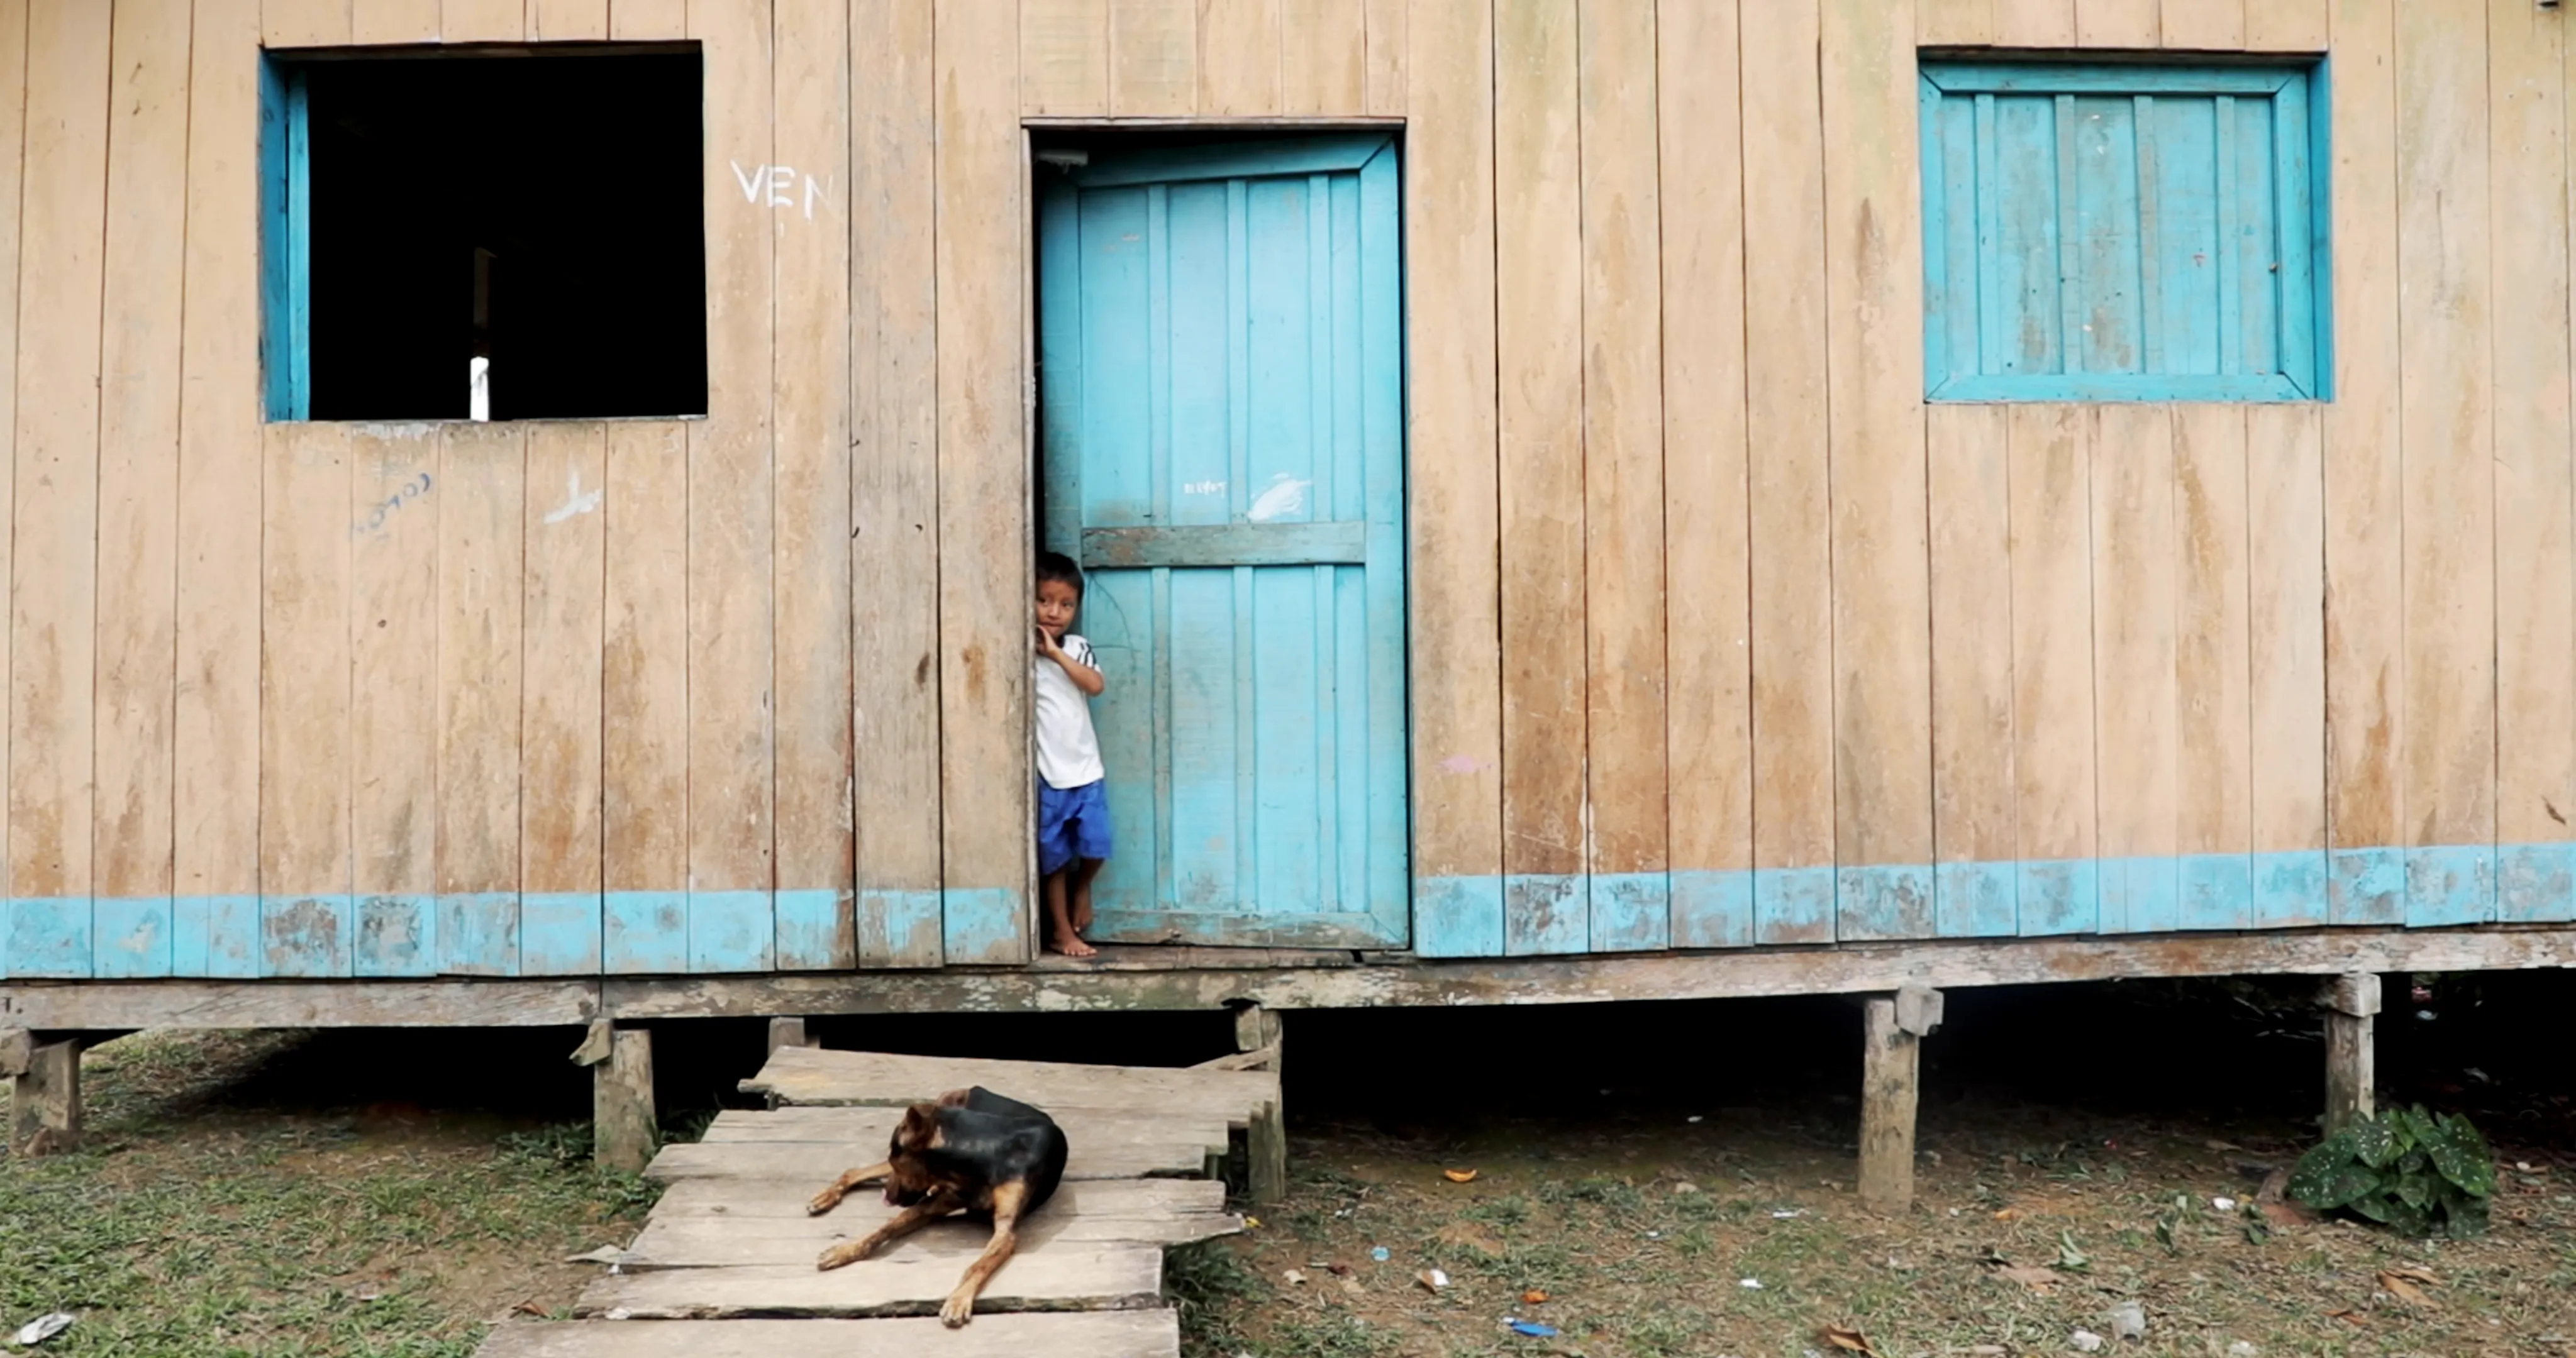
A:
{"x": 2123, "y": 233}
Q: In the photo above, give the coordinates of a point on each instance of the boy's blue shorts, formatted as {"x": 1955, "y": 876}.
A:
{"x": 1073, "y": 822}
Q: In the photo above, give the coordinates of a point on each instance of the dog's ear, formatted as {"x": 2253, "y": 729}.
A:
{"x": 920, "y": 1129}
{"x": 955, "y": 1098}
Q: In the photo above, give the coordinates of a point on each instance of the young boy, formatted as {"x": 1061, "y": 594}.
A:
{"x": 1073, "y": 809}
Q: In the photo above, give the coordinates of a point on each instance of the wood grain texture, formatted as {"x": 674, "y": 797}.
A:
{"x": 645, "y": 20}
{"x": 55, "y": 548}
{"x": 374, "y": 22}
{"x": 393, "y": 518}
{"x": 1239, "y": 57}
{"x": 1153, "y": 58}
{"x": 1623, "y": 469}
{"x": 1097, "y": 1334}
{"x": 2447, "y": 422}
{"x": 145, "y": 261}
{"x": 304, "y": 663}
{"x": 2133, "y": 661}
{"x": 2285, "y": 498}
{"x": 1064, "y": 56}
{"x": 1969, "y": 489}
{"x": 2117, "y": 23}
{"x": 810, "y": 398}
{"x": 644, "y": 680}
{"x": 2052, "y": 620}
{"x": 567, "y": 20}
{"x": 216, "y": 708}
{"x": 2213, "y": 660}
{"x": 1707, "y": 548}
{"x": 304, "y": 23}
{"x": 894, "y": 481}
{"x": 1954, "y": 23}
{"x": 2286, "y": 25}
{"x": 13, "y": 126}
{"x": 482, "y": 531}
{"x": 1449, "y": 191}
{"x": 1881, "y": 559}
{"x": 731, "y": 735}
{"x": 2035, "y": 23}
{"x": 496, "y": 20}
{"x": 1538, "y": 335}
{"x": 1323, "y": 57}
{"x": 984, "y": 551}
{"x": 2206, "y": 25}
{"x": 1785, "y": 377}
{"x": 563, "y": 625}
{"x": 1388, "y": 80}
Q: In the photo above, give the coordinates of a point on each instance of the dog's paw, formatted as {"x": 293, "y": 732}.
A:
{"x": 959, "y": 1309}
{"x": 847, "y": 1252}
{"x": 823, "y": 1202}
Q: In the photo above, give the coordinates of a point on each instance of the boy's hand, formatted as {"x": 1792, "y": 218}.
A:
{"x": 1046, "y": 643}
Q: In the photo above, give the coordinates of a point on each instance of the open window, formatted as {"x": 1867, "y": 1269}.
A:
{"x": 483, "y": 236}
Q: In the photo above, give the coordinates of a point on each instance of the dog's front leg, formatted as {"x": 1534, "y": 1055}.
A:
{"x": 906, "y": 1222}
{"x": 831, "y": 1197}
{"x": 1007, "y": 1202}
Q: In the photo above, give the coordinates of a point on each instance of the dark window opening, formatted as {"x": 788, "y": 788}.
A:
{"x": 495, "y": 237}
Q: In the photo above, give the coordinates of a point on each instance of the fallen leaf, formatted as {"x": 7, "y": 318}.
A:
{"x": 2031, "y": 1276}
{"x": 2287, "y": 1214}
{"x": 2349, "y": 1314}
{"x": 1533, "y": 1297}
{"x": 2008, "y": 1214}
{"x": 1352, "y": 1286}
{"x": 1338, "y": 1270}
{"x": 2405, "y": 1290}
{"x": 1459, "y": 1176}
{"x": 2413, "y": 1274}
{"x": 528, "y": 1308}
{"x": 1848, "y": 1340}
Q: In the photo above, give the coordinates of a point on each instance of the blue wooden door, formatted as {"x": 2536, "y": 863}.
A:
{"x": 1221, "y": 386}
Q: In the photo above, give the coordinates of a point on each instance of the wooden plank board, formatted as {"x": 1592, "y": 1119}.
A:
{"x": 2206, "y": 25}
{"x": 2035, "y": 23}
{"x": 1455, "y": 619}
{"x": 2133, "y": 663}
{"x": 216, "y": 713}
{"x": 809, "y": 1075}
{"x": 2447, "y": 424}
{"x": 984, "y": 549}
{"x": 1239, "y": 58}
{"x": 560, "y": 730}
{"x": 644, "y": 699}
{"x": 1538, "y": 336}
{"x": 1153, "y": 58}
{"x": 306, "y": 928}
{"x": 482, "y": 530}
{"x": 894, "y": 481}
{"x": 55, "y": 547}
{"x": 393, "y": 696}
{"x": 2364, "y": 489}
{"x": 1627, "y": 788}
{"x": 13, "y": 126}
{"x": 138, "y": 436}
{"x": 2052, "y": 620}
{"x": 1881, "y": 558}
{"x": 1064, "y": 57}
{"x": 1970, "y": 500}
{"x": 868, "y": 1127}
{"x": 2117, "y": 23}
{"x": 1323, "y": 58}
{"x": 2287, "y": 634}
{"x": 374, "y": 22}
{"x": 787, "y": 1241}
{"x": 773, "y": 1205}
{"x": 812, "y": 1164}
{"x": 644, "y": 20}
{"x": 1785, "y": 377}
{"x": 567, "y": 20}
{"x": 1098, "y": 1334}
{"x": 732, "y": 747}
{"x": 810, "y": 405}
{"x": 1388, "y": 77}
{"x": 304, "y": 23}
{"x": 2535, "y": 488}
{"x": 2213, "y": 667}
{"x": 489, "y": 20}
{"x": 2286, "y": 25}
{"x": 212, "y": 1005}
{"x": 1954, "y": 23}
{"x": 1080, "y": 1278}
{"x": 1708, "y": 553}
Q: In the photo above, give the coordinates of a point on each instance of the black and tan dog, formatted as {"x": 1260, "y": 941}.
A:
{"x": 973, "y": 1151}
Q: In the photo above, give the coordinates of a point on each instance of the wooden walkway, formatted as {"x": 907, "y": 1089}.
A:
{"x": 725, "y": 1264}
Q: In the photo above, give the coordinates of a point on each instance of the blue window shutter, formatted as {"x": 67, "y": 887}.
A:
{"x": 285, "y": 241}
{"x": 2121, "y": 233}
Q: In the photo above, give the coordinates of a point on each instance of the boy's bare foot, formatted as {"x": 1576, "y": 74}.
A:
{"x": 1071, "y": 945}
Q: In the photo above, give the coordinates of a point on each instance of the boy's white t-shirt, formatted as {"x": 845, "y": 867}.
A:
{"x": 1068, "y": 751}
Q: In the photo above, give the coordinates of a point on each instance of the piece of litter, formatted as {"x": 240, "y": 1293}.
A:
{"x": 1380, "y": 1254}
{"x": 1749, "y": 1284}
{"x": 1788, "y": 1213}
{"x": 1432, "y": 1280}
{"x": 1338, "y": 1270}
{"x": 1252, "y": 1223}
{"x": 2223, "y": 1204}
{"x": 1531, "y": 1328}
{"x": 1459, "y": 1176}
{"x": 2129, "y": 1320}
{"x": 1294, "y": 1278}
{"x": 605, "y": 1254}
{"x": 42, "y": 1328}
{"x": 1697, "y": 1118}
{"x": 1684, "y": 1189}
{"x": 1534, "y": 1297}
{"x": 1654, "y": 1235}
{"x": 2240, "y": 1349}
{"x": 2085, "y": 1341}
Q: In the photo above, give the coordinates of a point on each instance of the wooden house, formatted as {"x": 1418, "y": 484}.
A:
{"x": 1584, "y": 499}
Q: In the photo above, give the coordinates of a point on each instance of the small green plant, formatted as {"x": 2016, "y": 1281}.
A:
{"x": 2411, "y": 1171}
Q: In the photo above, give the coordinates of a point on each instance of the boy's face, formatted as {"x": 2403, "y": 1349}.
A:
{"x": 1056, "y": 604}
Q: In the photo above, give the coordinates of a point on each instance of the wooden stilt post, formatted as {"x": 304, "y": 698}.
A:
{"x": 2352, "y": 1015}
{"x": 45, "y": 1102}
{"x": 623, "y": 1128}
{"x": 1265, "y": 1143}
{"x": 788, "y": 1032}
{"x": 1892, "y": 1030}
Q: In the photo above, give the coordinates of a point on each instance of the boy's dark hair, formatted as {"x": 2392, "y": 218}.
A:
{"x": 1058, "y": 567}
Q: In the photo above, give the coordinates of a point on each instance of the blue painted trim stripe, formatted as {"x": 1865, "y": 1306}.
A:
{"x": 983, "y": 925}
{"x": 644, "y": 933}
{"x": 2050, "y": 77}
{"x": 810, "y": 932}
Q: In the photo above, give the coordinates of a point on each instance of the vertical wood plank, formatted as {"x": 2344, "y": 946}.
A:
{"x": 393, "y": 697}
{"x": 1792, "y": 628}
{"x": 13, "y": 128}
{"x": 811, "y": 399}
{"x": 484, "y": 20}
{"x": 1881, "y": 559}
{"x": 732, "y": 751}
{"x": 216, "y": 714}
{"x": 1387, "y": 78}
{"x": 567, "y": 20}
{"x": 1153, "y": 58}
{"x": 895, "y": 661}
{"x": 1539, "y": 342}
{"x": 2447, "y": 423}
{"x": 147, "y": 146}
{"x": 305, "y": 923}
{"x": 1456, "y": 625}
{"x": 2035, "y": 23}
{"x": 1954, "y": 23}
{"x": 482, "y": 532}
{"x": 304, "y": 23}
{"x": 373, "y": 22}
{"x": 2286, "y": 25}
{"x": 561, "y": 737}
{"x": 1708, "y": 554}
{"x": 2133, "y": 662}
{"x": 1969, "y": 486}
{"x": 1239, "y": 57}
{"x": 1064, "y": 56}
{"x": 2213, "y": 667}
{"x": 1629, "y": 843}
{"x": 2535, "y": 491}
{"x": 2117, "y": 23}
{"x": 644, "y": 699}
{"x": 2285, "y": 500}
{"x": 2207, "y": 25}
{"x": 55, "y": 584}
{"x": 647, "y": 20}
{"x": 2052, "y": 622}
{"x": 984, "y": 554}
{"x": 1323, "y": 57}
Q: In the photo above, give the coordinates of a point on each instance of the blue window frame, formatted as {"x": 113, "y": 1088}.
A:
{"x": 2124, "y": 232}
{"x": 286, "y": 240}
